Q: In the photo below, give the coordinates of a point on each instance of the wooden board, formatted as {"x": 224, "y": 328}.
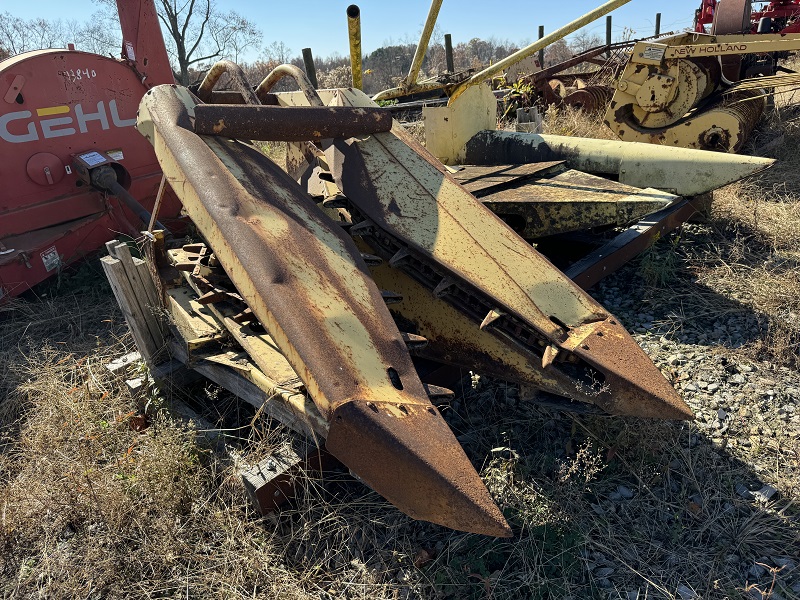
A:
{"x": 260, "y": 343}
{"x": 197, "y": 325}
{"x": 138, "y": 314}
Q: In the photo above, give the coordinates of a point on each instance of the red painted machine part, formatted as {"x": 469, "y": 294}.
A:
{"x": 787, "y": 9}
{"x": 54, "y": 104}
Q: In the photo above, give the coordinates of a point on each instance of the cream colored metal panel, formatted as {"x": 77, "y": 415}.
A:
{"x": 449, "y": 128}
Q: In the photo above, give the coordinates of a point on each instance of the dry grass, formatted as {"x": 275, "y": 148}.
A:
{"x": 758, "y": 246}
{"x": 91, "y": 508}
{"x": 575, "y": 122}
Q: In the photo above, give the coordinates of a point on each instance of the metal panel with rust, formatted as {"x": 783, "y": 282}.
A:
{"x": 573, "y": 201}
{"x": 308, "y": 285}
{"x": 454, "y": 339}
{"x": 442, "y": 236}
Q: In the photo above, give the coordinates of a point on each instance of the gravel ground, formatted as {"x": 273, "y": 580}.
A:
{"x": 740, "y": 454}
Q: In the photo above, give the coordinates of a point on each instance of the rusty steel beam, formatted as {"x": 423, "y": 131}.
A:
{"x": 629, "y": 244}
{"x": 309, "y": 286}
{"x": 288, "y": 124}
{"x": 583, "y": 57}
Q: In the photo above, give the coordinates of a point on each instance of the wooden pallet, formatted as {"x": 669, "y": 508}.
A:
{"x": 174, "y": 327}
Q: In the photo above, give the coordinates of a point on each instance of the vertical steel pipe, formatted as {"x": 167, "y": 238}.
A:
{"x": 658, "y": 24}
{"x": 354, "y": 30}
{"x": 448, "y": 53}
{"x": 311, "y": 70}
{"x": 422, "y": 46}
{"x": 502, "y": 65}
{"x": 541, "y": 52}
{"x": 608, "y": 36}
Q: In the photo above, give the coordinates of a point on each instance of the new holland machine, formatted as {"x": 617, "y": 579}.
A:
{"x": 332, "y": 285}
{"x": 707, "y": 89}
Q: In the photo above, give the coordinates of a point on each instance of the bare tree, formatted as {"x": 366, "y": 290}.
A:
{"x": 18, "y": 35}
{"x": 278, "y": 52}
{"x": 99, "y": 35}
{"x": 234, "y": 34}
{"x": 583, "y": 40}
{"x": 199, "y": 34}
{"x": 557, "y": 52}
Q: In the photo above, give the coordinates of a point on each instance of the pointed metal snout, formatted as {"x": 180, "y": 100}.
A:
{"x": 682, "y": 171}
{"x": 409, "y": 456}
{"x": 631, "y": 384}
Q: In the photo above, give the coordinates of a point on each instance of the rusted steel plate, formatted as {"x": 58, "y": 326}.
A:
{"x": 572, "y": 201}
{"x": 628, "y": 244}
{"x": 421, "y": 205}
{"x": 308, "y": 285}
{"x": 454, "y": 339}
{"x": 288, "y": 124}
{"x": 449, "y": 241}
{"x": 628, "y": 371}
{"x": 366, "y": 434}
{"x": 469, "y": 173}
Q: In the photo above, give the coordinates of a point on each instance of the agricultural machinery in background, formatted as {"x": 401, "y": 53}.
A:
{"x": 707, "y": 89}
{"x": 738, "y": 16}
{"x": 76, "y": 172}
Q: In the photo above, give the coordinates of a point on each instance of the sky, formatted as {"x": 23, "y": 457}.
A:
{"x": 322, "y": 24}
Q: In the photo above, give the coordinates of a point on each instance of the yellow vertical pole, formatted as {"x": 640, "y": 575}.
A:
{"x": 354, "y": 30}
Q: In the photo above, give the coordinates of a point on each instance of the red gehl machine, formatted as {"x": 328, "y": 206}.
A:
{"x": 737, "y": 16}
{"x": 66, "y": 118}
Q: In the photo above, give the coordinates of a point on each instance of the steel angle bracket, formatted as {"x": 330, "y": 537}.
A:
{"x": 308, "y": 285}
{"x": 411, "y": 207}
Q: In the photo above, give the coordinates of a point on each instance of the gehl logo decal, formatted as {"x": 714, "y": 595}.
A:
{"x": 20, "y": 127}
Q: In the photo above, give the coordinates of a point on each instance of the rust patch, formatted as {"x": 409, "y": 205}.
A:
{"x": 407, "y": 452}
{"x": 289, "y": 124}
{"x": 648, "y": 394}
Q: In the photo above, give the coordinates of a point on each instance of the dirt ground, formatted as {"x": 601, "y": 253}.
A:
{"x": 93, "y": 506}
